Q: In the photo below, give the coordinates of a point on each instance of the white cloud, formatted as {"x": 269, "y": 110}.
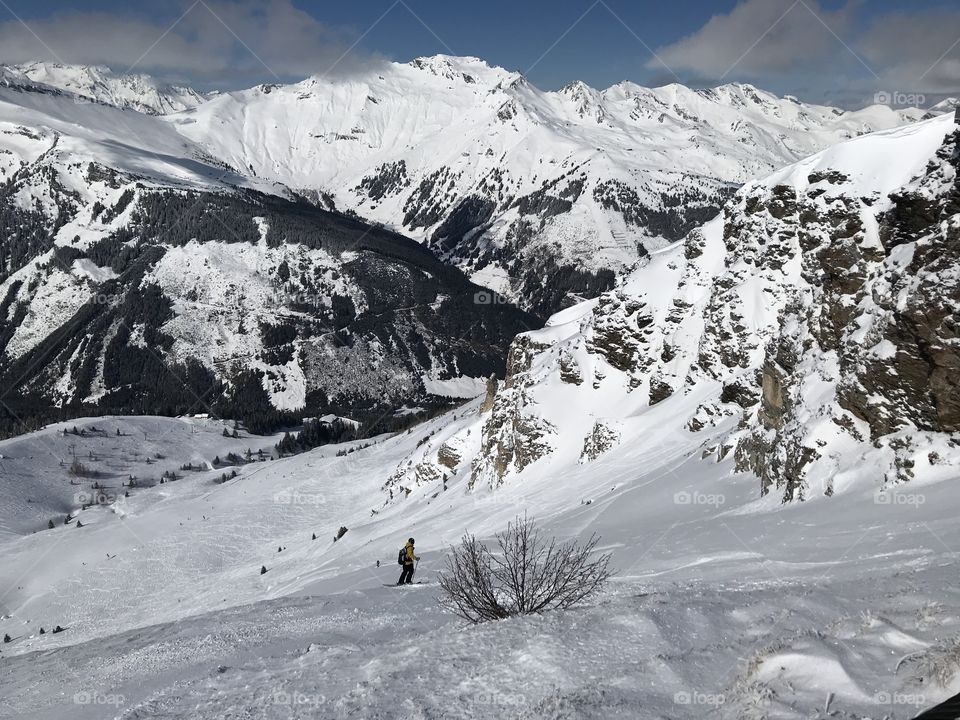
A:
{"x": 919, "y": 52}
{"x": 215, "y": 40}
{"x": 758, "y": 38}
{"x": 845, "y": 53}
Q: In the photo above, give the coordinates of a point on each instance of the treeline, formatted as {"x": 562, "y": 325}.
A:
{"x": 550, "y": 287}
{"x": 316, "y": 433}
{"x": 683, "y": 209}
{"x": 380, "y": 421}
{"x": 25, "y": 235}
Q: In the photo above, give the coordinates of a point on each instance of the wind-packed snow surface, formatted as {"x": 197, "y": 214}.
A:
{"x": 760, "y": 347}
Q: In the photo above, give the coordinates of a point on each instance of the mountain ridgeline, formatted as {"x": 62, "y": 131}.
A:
{"x": 545, "y": 197}
{"x": 169, "y": 252}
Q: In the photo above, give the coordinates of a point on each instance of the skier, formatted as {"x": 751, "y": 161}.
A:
{"x": 406, "y": 577}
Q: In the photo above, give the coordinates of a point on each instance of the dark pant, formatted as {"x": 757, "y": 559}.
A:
{"x": 406, "y": 577}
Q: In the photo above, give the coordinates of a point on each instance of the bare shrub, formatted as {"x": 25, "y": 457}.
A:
{"x": 941, "y": 662}
{"x": 528, "y": 575}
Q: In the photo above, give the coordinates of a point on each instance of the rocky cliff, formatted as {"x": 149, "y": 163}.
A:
{"x": 807, "y": 335}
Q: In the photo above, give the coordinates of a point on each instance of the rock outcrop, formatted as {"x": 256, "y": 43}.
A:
{"x": 809, "y": 332}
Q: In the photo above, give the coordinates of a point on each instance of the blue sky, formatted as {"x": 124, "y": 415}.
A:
{"x": 840, "y": 51}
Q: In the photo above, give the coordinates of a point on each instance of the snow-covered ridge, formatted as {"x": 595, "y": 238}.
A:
{"x": 509, "y": 182}
{"x": 98, "y": 201}
{"x": 136, "y": 91}
{"x": 545, "y": 197}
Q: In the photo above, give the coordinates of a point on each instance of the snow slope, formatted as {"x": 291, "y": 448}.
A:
{"x": 723, "y": 602}
{"x": 37, "y": 484}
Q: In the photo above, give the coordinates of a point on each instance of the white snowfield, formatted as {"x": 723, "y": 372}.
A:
{"x": 99, "y": 84}
{"x": 721, "y": 604}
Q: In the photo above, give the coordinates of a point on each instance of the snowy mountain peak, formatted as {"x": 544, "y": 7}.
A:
{"x": 508, "y": 181}
{"x": 100, "y": 84}
{"x": 464, "y": 69}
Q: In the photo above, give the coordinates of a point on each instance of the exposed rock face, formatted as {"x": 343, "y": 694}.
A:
{"x": 570, "y": 370}
{"x": 618, "y": 330}
{"x": 659, "y": 391}
{"x": 513, "y": 437}
{"x": 492, "y": 385}
{"x": 600, "y": 440}
{"x": 879, "y": 310}
{"x": 773, "y": 397}
{"x": 448, "y": 456}
{"x": 914, "y": 378}
{"x": 811, "y": 325}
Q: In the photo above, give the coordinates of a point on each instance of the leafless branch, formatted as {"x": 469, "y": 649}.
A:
{"x": 528, "y": 575}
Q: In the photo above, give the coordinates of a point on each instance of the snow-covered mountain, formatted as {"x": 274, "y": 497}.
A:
{"x": 99, "y": 84}
{"x": 539, "y": 195}
{"x": 721, "y": 601}
{"x": 802, "y": 345}
{"x": 138, "y": 272}
{"x": 544, "y": 196}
